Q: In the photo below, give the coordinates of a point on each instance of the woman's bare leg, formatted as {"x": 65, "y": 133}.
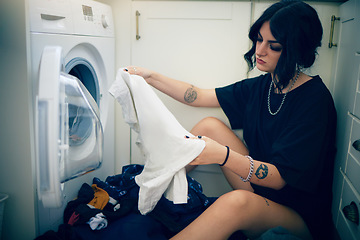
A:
{"x": 220, "y": 132}
{"x": 246, "y": 211}
{"x": 238, "y": 210}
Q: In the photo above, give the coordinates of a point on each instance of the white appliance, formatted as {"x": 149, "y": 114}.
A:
{"x": 72, "y": 67}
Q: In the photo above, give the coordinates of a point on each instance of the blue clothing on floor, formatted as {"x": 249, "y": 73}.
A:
{"x": 122, "y": 185}
{"x": 177, "y": 216}
{"x": 131, "y": 227}
{"x": 162, "y": 223}
{"x": 174, "y": 217}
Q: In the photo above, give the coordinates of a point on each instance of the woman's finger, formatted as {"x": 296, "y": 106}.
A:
{"x": 196, "y": 137}
{"x": 132, "y": 70}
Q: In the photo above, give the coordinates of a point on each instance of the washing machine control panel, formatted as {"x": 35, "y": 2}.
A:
{"x": 95, "y": 17}
{"x": 88, "y": 13}
{"x": 80, "y": 17}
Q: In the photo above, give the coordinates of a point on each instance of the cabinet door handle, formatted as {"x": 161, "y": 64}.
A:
{"x": 351, "y": 212}
{"x": 333, "y": 19}
{"x": 356, "y": 145}
{"x": 137, "y": 14}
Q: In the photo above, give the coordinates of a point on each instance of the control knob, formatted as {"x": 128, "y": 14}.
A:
{"x": 105, "y": 21}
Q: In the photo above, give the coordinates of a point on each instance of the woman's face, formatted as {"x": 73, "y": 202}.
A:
{"x": 268, "y": 49}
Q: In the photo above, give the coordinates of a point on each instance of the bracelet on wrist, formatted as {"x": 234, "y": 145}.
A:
{"x": 227, "y": 156}
{"x": 250, "y": 171}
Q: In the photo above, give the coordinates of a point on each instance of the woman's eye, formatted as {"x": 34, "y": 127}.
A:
{"x": 259, "y": 40}
{"x": 276, "y": 48}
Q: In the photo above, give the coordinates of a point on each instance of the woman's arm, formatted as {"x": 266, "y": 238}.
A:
{"x": 264, "y": 174}
{"x": 180, "y": 91}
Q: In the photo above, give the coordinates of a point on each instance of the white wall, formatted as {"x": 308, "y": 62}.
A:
{"x": 16, "y": 138}
{"x": 122, "y": 18}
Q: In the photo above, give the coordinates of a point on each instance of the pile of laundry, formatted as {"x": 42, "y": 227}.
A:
{"x": 95, "y": 207}
{"x": 104, "y": 202}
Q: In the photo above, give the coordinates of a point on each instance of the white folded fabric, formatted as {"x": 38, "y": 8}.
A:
{"x": 98, "y": 222}
{"x": 161, "y": 139}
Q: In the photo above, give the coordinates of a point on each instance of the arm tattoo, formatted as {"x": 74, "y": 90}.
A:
{"x": 262, "y": 171}
{"x": 190, "y": 94}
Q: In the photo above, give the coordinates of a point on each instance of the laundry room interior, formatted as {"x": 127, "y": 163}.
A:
{"x": 88, "y": 43}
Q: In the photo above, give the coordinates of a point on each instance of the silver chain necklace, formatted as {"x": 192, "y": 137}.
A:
{"x": 283, "y": 100}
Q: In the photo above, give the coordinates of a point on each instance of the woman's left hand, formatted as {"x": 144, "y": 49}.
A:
{"x": 213, "y": 153}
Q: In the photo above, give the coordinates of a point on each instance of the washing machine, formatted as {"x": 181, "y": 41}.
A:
{"x": 72, "y": 49}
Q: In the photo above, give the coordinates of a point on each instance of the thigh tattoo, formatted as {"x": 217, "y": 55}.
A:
{"x": 267, "y": 203}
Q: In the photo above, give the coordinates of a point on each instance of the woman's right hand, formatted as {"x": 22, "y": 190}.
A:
{"x": 143, "y": 72}
{"x": 213, "y": 153}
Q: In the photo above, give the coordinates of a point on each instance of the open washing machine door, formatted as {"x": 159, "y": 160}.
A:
{"x": 69, "y": 133}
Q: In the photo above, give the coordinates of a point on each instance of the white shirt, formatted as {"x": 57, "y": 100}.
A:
{"x": 161, "y": 139}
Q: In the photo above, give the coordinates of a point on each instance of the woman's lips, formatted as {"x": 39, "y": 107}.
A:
{"x": 259, "y": 61}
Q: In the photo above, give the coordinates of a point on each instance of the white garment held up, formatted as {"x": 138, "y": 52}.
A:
{"x": 161, "y": 139}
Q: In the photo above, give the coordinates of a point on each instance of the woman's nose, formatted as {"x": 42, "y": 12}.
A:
{"x": 260, "y": 49}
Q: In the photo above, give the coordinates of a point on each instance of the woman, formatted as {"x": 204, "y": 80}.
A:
{"x": 283, "y": 175}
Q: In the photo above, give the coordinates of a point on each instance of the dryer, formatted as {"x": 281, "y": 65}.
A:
{"x": 72, "y": 67}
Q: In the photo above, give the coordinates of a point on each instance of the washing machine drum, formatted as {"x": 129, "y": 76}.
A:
{"x": 80, "y": 124}
{"x": 84, "y": 71}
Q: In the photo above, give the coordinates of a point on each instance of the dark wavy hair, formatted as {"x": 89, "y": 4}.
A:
{"x": 296, "y": 26}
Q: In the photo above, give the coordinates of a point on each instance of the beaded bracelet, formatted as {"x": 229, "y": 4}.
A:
{"x": 227, "y": 156}
{"x": 250, "y": 171}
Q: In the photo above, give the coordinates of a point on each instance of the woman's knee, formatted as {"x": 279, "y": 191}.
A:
{"x": 237, "y": 199}
{"x": 217, "y": 130}
{"x": 207, "y": 126}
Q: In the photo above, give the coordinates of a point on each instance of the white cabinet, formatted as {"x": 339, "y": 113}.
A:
{"x": 199, "y": 42}
{"x": 346, "y": 95}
